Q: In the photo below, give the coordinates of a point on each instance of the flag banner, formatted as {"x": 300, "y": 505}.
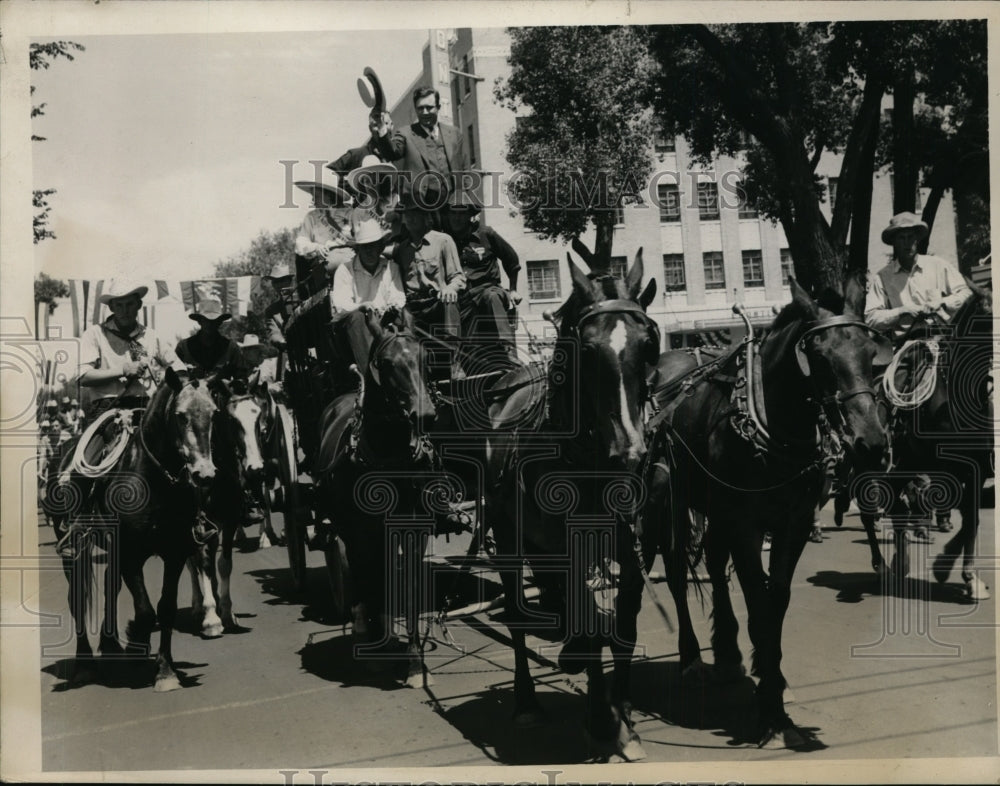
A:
{"x": 234, "y": 292}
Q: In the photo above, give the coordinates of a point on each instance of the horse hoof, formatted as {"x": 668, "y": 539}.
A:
{"x": 976, "y": 589}
{"x": 880, "y": 568}
{"x": 943, "y": 564}
{"x": 213, "y": 631}
{"x": 900, "y": 565}
{"x": 629, "y": 745}
{"x": 697, "y": 671}
{"x": 111, "y": 648}
{"x": 265, "y": 542}
{"x": 419, "y": 680}
{"x": 166, "y": 684}
{"x": 729, "y": 672}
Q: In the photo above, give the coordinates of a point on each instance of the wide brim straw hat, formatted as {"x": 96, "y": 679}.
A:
{"x": 209, "y": 311}
{"x": 901, "y": 221}
{"x": 328, "y": 183}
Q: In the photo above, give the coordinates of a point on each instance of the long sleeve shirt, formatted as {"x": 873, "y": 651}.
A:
{"x": 480, "y": 253}
{"x": 428, "y": 264}
{"x": 894, "y": 290}
{"x": 353, "y": 285}
{"x": 317, "y": 230}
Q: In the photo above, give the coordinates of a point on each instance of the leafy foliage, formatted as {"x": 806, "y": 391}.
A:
{"x": 47, "y": 289}
{"x": 40, "y": 57}
{"x": 265, "y": 251}
{"x": 581, "y": 144}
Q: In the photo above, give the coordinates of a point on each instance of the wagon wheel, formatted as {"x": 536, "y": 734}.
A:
{"x": 288, "y": 474}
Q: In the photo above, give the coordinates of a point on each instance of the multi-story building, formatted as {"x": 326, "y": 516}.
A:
{"x": 705, "y": 249}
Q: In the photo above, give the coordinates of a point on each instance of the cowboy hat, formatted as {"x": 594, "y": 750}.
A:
{"x": 51, "y": 403}
{"x": 372, "y": 167}
{"x": 902, "y": 221}
{"x": 65, "y": 399}
{"x": 278, "y": 271}
{"x": 209, "y": 310}
{"x": 328, "y": 182}
{"x": 250, "y": 340}
{"x": 366, "y": 229}
{"x": 122, "y": 288}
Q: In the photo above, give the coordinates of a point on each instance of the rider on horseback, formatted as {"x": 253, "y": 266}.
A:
{"x": 910, "y": 287}
{"x": 122, "y": 362}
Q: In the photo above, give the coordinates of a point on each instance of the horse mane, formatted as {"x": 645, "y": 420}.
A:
{"x": 795, "y": 311}
{"x": 603, "y": 287}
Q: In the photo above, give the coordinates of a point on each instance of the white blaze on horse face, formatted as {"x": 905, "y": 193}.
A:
{"x": 246, "y": 412}
{"x": 618, "y": 341}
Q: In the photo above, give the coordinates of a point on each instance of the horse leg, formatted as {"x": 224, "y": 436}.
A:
{"x": 201, "y": 565}
{"x": 225, "y": 568}
{"x": 623, "y": 641}
{"x": 674, "y": 541}
{"x": 139, "y": 630}
{"x": 166, "y": 610}
{"x": 109, "y": 646}
{"x": 79, "y": 579}
{"x": 413, "y": 552}
{"x": 728, "y": 665}
{"x": 900, "y": 566}
{"x": 975, "y": 588}
{"x": 527, "y": 710}
{"x": 878, "y": 561}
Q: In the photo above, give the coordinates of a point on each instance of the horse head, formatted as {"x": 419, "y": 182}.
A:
{"x": 188, "y": 425}
{"x": 244, "y": 410}
{"x": 834, "y": 351}
{"x": 395, "y": 386}
{"x": 617, "y": 340}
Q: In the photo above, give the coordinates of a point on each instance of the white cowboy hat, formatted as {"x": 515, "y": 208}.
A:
{"x": 250, "y": 340}
{"x": 328, "y": 182}
{"x": 122, "y": 287}
{"x": 371, "y": 167}
{"x": 366, "y": 228}
{"x": 279, "y": 270}
{"x": 901, "y": 221}
{"x": 51, "y": 403}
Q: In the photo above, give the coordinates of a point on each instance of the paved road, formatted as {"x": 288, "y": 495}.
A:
{"x": 873, "y": 676}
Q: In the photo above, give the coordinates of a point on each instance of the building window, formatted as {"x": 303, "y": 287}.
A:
{"x": 543, "y": 279}
{"x": 715, "y": 272}
{"x": 669, "y": 198}
{"x": 753, "y": 269}
{"x": 708, "y": 201}
{"x": 466, "y": 82}
{"x": 832, "y": 189}
{"x": 664, "y": 142}
{"x": 618, "y": 267}
{"x": 787, "y": 268}
{"x": 746, "y": 209}
{"x": 472, "y": 145}
{"x": 673, "y": 273}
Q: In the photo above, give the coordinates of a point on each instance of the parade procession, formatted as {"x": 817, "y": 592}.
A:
{"x": 614, "y": 394}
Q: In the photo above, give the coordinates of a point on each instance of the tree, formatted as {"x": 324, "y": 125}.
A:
{"x": 581, "y": 145}
{"x": 803, "y": 89}
{"x": 47, "y": 289}
{"x": 40, "y": 57}
{"x": 265, "y": 251}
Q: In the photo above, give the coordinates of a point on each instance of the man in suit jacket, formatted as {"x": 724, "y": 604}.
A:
{"x": 428, "y": 153}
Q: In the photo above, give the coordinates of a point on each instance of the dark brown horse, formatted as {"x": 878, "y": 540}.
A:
{"x": 371, "y": 471}
{"x": 563, "y": 490}
{"x": 747, "y": 444}
{"x": 942, "y": 448}
{"x": 150, "y": 504}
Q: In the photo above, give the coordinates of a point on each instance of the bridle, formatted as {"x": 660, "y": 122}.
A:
{"x": 833, "y": 418}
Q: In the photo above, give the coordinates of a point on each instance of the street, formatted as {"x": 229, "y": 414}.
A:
{"x": 872, "y": 676}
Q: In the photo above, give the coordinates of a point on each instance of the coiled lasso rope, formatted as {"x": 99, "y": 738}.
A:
{"x": 926, "y": 382}
{"x": 80, "y": 463}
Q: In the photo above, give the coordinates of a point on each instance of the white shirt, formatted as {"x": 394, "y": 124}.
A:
{"x": 353, "y": 285}
{"x": 101, "y": 349}
{"x": 894, "y": 290}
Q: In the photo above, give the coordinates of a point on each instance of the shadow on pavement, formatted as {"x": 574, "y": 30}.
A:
{"x": 855, "y": 587}
{"x": 485, "y": 720}
{"x": 134, "y": 673}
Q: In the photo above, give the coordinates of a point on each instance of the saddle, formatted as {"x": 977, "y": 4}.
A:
{"x": 518, "y": 399}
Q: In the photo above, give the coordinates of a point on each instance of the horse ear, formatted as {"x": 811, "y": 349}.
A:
{"x": 855, "y": 292}
{"x": 633, "y": 279}
{"x": 581, "y": 284}
{"x": 585, "y": 253}
{"x": 647, "y": 295}
{"x": 173, "y": 381}
{"x": 800, "y": 296}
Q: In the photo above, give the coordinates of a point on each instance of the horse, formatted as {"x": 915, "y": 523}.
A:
{"x": 747, "y": 442}
{"x": 544, "y": 484}
{"x": 150, "y": 504}
{"x": 239, "y": 464}
{"x": 942, "y": 445}
{"x": 373, "y": 451}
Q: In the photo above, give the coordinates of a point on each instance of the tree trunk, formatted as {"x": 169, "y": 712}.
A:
{"x": 861, "y": 219}
{"x": 930, "y": 213}
{"x": 904, "y": 168}
{"x": 604, "y": 225}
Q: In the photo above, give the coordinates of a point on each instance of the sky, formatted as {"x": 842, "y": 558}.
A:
{"x": 165, "y": 150}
